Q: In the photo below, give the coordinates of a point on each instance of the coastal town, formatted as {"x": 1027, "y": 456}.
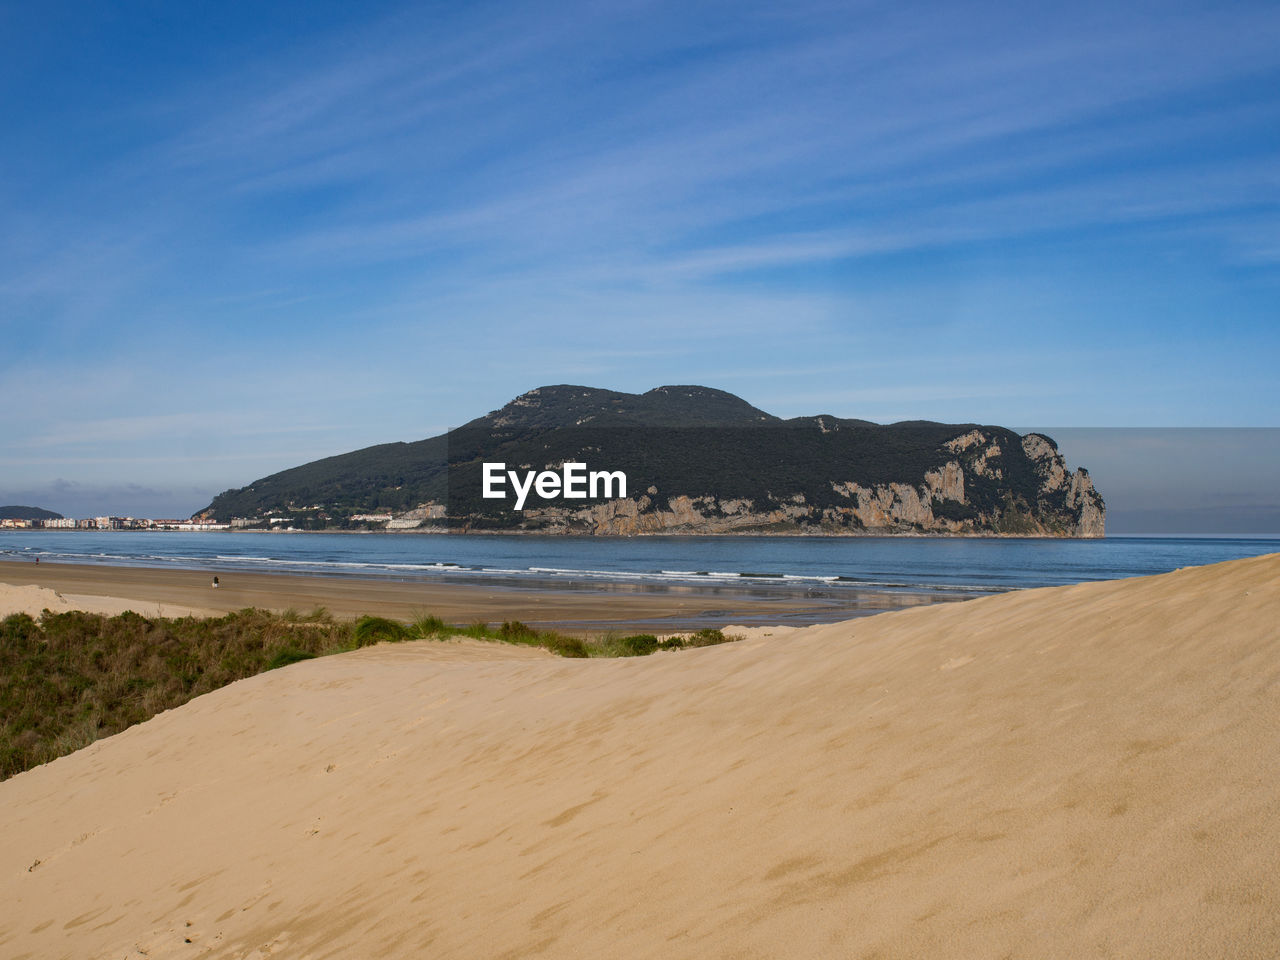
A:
{"x": 22, "y": 518}
{"x": 108, "y": 523}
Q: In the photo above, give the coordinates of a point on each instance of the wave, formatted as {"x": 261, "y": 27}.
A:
{"x": 755, "y": 578}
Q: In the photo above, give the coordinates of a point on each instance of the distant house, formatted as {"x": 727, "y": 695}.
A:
{"x": 202, "y": 525}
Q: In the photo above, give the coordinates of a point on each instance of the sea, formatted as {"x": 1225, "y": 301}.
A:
{"x": 955, "y": 567}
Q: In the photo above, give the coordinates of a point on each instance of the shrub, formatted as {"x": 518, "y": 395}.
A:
{"x": 371, "y": 630}
{"x": 638, "y": 645}
{"x": 513, "y": 631}
{"x": 287, "y": 656}
{"x": 18, "y": 627}
{"x": 563, "y": 646}
{"x": 74, "y": 677}
{"x": 707, "y": 638}
{"x": 426, "y": 626}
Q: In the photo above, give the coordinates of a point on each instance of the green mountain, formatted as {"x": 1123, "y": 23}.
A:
{"x": 697, "y": 460}
{"x": 15, "y": 512}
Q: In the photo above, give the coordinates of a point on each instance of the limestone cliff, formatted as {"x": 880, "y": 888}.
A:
{"x": 1065, "y": 504}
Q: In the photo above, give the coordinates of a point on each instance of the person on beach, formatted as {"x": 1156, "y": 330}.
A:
{"x": 215, "y": 583}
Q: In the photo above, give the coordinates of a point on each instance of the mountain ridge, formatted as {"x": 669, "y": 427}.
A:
{"x": 700, "y": 461}
{"x": 20, "y": 512}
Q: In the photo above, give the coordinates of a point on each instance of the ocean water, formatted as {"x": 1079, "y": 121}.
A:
{"x": 830, "y": 564}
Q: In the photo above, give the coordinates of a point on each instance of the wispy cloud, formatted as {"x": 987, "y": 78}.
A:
{"x": 114, "y": 430}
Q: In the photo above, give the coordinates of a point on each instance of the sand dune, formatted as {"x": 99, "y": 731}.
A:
{"x": 33, "y": 600}
{"x": 1089, "y": 771}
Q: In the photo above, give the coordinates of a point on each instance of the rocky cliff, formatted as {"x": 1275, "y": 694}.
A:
{"x": 1066, "y": 504}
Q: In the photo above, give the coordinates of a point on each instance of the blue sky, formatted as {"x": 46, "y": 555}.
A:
{"x": 238, "y": 239}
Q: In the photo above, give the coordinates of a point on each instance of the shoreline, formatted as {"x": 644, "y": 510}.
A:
{"x": 1121, "y": 535}
{"x": 458, "y": 532}
{"x": 571, "y": 605}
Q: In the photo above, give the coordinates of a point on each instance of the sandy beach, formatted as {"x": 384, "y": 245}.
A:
{"x": 1085, "y": 771}
{"x": 581, "y": 608}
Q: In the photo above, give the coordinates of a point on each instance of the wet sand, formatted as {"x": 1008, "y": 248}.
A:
{"x": 581, "y": 606}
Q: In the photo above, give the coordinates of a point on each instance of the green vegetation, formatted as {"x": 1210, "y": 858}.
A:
{"x": 639, "y": 645}
{"x": 69, "y": 679}
{"x": 371, "y": 630}
{"x": 287, "y": 656}
{"x": 1015, "y": 517}
{"x": 17, "y": 512}
{"x": 708, "y": 638}
{"x": 429, "y": 627}
{"x": 643, "y": 644}
{"x": 953, "y": 510}
{"x": 513, "y": 631}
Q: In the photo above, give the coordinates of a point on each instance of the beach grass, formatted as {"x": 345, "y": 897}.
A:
{"x": 68, "y": 679}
